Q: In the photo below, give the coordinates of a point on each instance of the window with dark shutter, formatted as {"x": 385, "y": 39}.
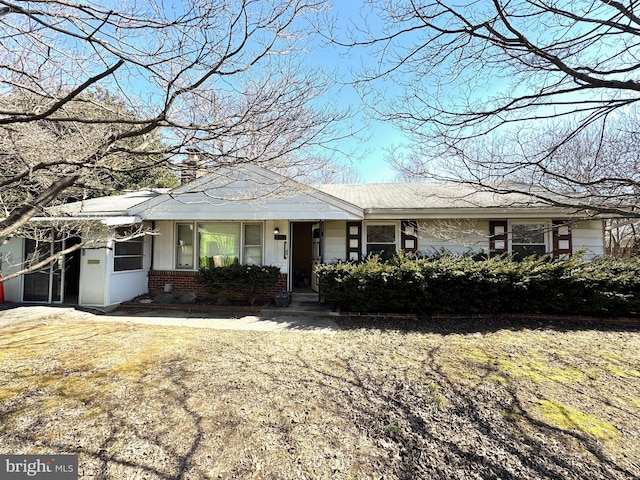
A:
{"x": 354, "y": 241}
{"x": 409, "y": 236}
{"x": 498, "y": 237}
{"x": 562, "y": 242}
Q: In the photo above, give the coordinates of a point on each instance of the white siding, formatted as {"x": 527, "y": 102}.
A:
{"x": 248, "y": 193}
{"x": 588, "y": 235}
{"x": 432, "y": 237}
{"x": 276, "y": 252}
{"x": 192, "y": 206}
{"x": 273, "y": 250}
{"x": 94, "y": 274}
{"x": 459, "y": 237}
{"x": 163, "y": 246}
{"x": 335, "y": 243}
{"x": 93, "y": 277}
{"x": 101, "y": 286}
{"x": 129, "y": 284}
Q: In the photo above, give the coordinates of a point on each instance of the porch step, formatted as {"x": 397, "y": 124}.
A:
{"x": 302, "y": 303}
{"x": 304, "y": 298}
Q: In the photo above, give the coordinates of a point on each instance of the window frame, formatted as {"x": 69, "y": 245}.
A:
{"x": 244, "y": 245}
{"x": 546, "y": 232}
{"x": 366, "y": 242}
{"x": 237, "y": 252}
{"x": 177, "y": 247}
{"x": 242, "y": 253}
{"x": 136, "y": 240}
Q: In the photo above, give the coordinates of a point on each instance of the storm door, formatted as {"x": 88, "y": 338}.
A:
{"x": 47, "y": 284}
{"x": 317, "y": 252}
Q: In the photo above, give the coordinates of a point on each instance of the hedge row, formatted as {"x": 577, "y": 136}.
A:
{"x": 243, "y": 282}
{"x": 604, "y": 286}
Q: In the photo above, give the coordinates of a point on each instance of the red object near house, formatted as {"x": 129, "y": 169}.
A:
{"x": 1, "y": 291}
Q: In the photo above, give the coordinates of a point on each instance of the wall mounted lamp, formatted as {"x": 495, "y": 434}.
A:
{"x": 277, "y": 236}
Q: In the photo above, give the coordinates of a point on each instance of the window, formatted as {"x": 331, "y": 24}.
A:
{"x": 528, "y": 239}
{"x": 381, "y": 238}
{"x": 253, "y": 244}
{"x": 219, "y": 244}
{"x": 128, "y": 254}
{"x": 184, "y": 254}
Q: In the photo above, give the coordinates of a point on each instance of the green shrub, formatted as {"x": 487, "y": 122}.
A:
{"x": 246, "y": 282}
{"x": 447, "y": 283}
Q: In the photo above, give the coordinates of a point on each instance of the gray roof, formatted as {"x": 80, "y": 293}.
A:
{"x": 113, "y": 205}
{"x": 377, "y": 198}
{"x": 371, "y": 196}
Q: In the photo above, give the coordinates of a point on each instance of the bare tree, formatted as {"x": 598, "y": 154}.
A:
{"x": 89, "y": 91}
{"x": 479, "y": 79}
{"x": 622, "y": 237}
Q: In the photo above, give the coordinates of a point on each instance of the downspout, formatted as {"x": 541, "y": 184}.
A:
{"x": 153, "y": 238}
{"x": 152, "y": 257}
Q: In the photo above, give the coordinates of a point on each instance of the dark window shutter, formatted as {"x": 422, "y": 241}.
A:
{"x": 498, "y": 237}
{"x": 354, "y": 241}
{"x": 409, "y": 236}
{"x": 562, "y": 243}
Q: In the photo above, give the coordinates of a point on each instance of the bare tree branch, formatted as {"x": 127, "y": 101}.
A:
{"x": 21, "y": 216}
{"x": 91, "y": 93}
{"x": 472, "y": 75}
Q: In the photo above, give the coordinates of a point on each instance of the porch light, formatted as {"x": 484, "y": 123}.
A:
{"x": 276, "y": 231}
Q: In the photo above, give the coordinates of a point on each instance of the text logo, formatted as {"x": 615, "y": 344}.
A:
{"x": 45, "y": 467}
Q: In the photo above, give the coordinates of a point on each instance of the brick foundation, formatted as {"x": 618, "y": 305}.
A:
{"x": 184, "y": 281}
{"x": 281, "y": 283}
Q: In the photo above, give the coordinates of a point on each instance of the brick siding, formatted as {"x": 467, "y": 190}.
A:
{"x": 184, "y": 281}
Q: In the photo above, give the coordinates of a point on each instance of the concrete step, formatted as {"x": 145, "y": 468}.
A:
{"x": 303, "y": 302}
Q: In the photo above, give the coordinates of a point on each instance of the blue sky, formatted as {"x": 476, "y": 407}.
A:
{"x": 368, "y": 148}
{"x": 370, "y": 144}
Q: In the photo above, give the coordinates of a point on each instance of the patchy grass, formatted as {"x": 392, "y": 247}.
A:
{"x": 568, "y": 418}
{"x": 136, "y": 401}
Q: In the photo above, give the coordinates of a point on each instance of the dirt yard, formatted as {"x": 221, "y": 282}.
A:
{"x": 448, "y": 402}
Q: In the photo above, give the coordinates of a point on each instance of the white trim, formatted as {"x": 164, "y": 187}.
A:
{"x": 196, "y": 241}
{"x": 243, "y": 241}
{"x": 342, "y": 210}
{"x": 111, "y": 221}
{"x": 140, "y": 239}
{"x": 121, "y": 221}
{"x": 548, "y": 232}
{"x": 174, "y": 259}
{"x": 365, "y": 235}
{"x": 480, "y": 213}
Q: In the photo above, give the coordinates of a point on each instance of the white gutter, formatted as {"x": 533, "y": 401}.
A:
{"x": 465, "y": 213}
{"x": 109, "y": 221}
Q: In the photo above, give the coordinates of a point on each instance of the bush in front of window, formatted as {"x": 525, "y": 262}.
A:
{"x": 452, "y": 284}
{"x": 247, "y": 283}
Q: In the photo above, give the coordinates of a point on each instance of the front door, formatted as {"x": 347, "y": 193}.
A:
{"x": 301, "y": 258}
{"x": 306, "y": 254}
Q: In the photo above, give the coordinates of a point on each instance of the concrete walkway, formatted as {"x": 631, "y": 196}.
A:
{"x": 303, "y": 315}
{"x": 262, "y": 322}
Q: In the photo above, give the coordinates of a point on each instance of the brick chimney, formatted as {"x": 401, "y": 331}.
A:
{"x": 192, "y": 167}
